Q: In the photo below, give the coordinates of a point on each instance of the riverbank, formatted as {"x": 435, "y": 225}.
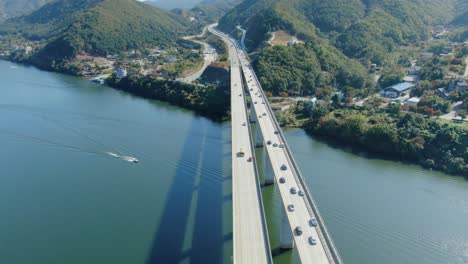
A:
{"x": 394, "y": 135}
{"x": 210, "y": 100}
{"x": 406, "y": 137}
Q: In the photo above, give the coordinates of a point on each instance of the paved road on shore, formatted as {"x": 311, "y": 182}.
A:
{"x": 209, "y": 56}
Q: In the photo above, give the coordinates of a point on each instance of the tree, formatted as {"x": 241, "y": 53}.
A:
{"x": 462, "y": 113}
{"x": 391, "y": 78}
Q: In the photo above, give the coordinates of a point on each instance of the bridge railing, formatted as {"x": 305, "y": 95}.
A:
{"x": 331, "y": 251}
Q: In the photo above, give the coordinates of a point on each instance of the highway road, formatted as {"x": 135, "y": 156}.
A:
{"x": 209, "y": 56}
{"x": 250, "y": 235}
{"x": 300, "y": 216}
{"x": 305, "y": 209}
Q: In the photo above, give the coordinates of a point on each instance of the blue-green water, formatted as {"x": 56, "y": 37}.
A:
{"x": 64, "y": 200}
{"x": 384, "y": 211}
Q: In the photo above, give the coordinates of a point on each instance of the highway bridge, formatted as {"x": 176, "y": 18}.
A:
{"x": 313, "y": 243}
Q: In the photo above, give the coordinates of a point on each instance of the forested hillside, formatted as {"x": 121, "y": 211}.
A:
{"x": 461, "y": 20}
{"x": 337, "y": 32}
{"x": 13, "y": 8}
{"x": 94, "y": 26}
{"x": 336, "y": 17}
{"x": 212, "y": 10}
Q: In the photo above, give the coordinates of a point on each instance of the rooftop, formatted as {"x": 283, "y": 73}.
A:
{"x": 414, "y": 100}
{"x": 400, "y": 87}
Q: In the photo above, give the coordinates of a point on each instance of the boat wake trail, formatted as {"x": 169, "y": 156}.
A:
{"x": 47, "y": 142}
{"x": 109, "y": 150}
{"x": 122, "y": 157}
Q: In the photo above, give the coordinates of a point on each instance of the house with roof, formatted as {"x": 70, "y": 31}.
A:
{"x": 461, "y": 85}
{"x": 292, "y": 42}
{"x": 397, "y": 90}
{"x": 120, "y": 73}
{"x": 413, "y": 101}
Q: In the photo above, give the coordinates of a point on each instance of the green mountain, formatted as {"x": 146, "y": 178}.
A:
{"x": 212, "y": 10}
{"x": 169, "y": 5}
{"x": 13, "y": 8}
{"x": 360, "y": 28}
{"x": 99, "y": 27}
{"x": 461, "y": 20}
{"x": 336, "y": 32}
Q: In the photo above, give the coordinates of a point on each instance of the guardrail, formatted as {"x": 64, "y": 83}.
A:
{"x": 325, "y": 236}
{"x": 257, "y": 179}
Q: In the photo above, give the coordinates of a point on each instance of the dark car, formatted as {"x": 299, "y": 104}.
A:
{"x": 282, "y": 180}
{"x": 298, "y": 230}
{"x": 291, "y": 208}
{"x": 301, "y": 193}
{"x": 276, "y": 132}
{"x": 293, "y": 190}
{"x": 269, "y": 142}
{"x": 283, "y": 167}
{"x": 275, "y": 145}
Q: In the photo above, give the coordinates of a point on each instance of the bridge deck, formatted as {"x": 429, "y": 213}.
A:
{"x": 250, "y": 234}
{"x": 304, "y": 209}
{"x": 243, "y": 182}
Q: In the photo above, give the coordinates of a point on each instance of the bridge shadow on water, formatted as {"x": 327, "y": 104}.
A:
{"x": 206, "y": 179}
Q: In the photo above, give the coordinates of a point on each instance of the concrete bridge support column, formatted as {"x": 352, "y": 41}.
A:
{"x": 258, "y": 137}
{"x": 286, "y": 236}
{"x": 268, "y": 172}
{"x": 253, "y": 115}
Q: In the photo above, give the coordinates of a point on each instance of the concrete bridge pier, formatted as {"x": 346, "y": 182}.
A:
{"x": 253, "y": 115}
{"x": 286, "y": 236}
{"x": 258, "y": 137}
{"x": 268, "y": 172}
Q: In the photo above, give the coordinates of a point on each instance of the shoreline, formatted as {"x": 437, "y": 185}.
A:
{"x": 217, "y": 117}
{"x": 221, "y": 117}
{"x": 361, "y": 151}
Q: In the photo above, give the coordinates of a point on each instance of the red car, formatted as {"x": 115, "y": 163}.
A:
{"x": 250, "y": 159}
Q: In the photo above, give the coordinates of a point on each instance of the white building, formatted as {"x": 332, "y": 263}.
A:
{"x": 292, "y": 42}
{"x": 120, "y": 73}
{"x": 413, "y": 101}
{"x": 339, "y": 95}
{"x": 312, "y": 102}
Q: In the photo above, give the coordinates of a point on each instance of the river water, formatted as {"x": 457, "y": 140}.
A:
{"x": 65, "y": 199}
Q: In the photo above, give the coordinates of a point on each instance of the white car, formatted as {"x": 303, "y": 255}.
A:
{"x": 313, "y": 222}
{"x": 312, "y": 241}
